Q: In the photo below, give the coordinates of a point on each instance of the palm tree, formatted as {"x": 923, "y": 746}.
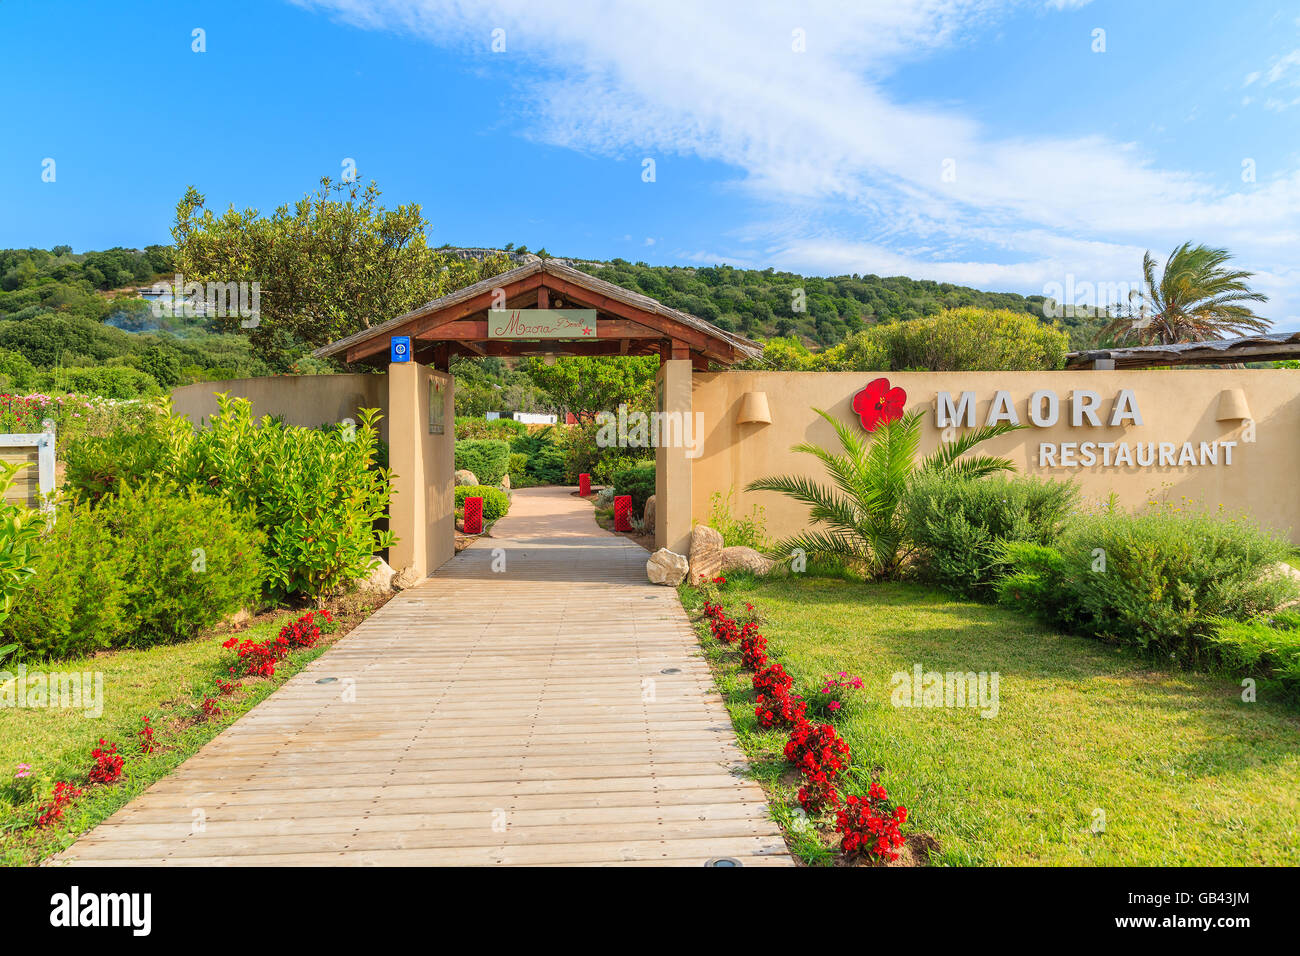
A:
{"x": 1196, "y": 298}
{"x": 870, "y": 478}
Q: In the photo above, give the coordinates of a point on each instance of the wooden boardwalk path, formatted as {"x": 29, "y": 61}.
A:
{"x": 555, "y": 711}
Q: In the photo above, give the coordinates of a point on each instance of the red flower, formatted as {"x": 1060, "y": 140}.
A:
{"x": 879, "y": 403}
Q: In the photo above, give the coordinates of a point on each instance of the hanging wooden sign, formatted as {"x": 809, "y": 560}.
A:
{"x": 542, "y": 323}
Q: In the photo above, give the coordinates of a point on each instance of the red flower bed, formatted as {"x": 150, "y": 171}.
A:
{"x": 869, "y": 826}
{"x": 258, "y": 658}
{"x": 773, "y": 680}
{"x": 753, "y": 652}
{"x": 818, "y": 792}
{"x": 819, "y": 753}
{"x": 147, "y": 745}
{"x": 817, "y": 747}
{"x": 779, "y": 710}
{"x": 107, "y": 767}
{"x": 52, "y": 812}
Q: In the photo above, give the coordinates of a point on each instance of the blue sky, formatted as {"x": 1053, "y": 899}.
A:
{"x": 1062, "y": 161}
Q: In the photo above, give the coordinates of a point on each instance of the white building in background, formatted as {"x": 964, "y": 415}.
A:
{"x": 527, "y": 418}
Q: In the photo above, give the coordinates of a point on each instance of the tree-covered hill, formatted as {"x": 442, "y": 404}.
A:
{"x": 63, "y": 322}
{"x": 62, "y": 311}
{"x": 820, "y": 311}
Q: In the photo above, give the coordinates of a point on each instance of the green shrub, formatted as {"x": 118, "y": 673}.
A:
{"x": 97, "y": 464}
{"x": 495, "y": 501}
{"x": 546, "y": 458}
{"x": 960, "y": 524}
{"x": 16, "y": 373}
{"x": 148, "y": 565}
{"x": 518, "y": 465}
{"x": 1034, "y": 583}
{"x": 1268, "y": 648}
{"x": 1156, "y": 580}
{"x": 966, "y": 339}
{"x": 637, "y": 481}
{"x": 20, "y": 531}
{"x": 488, "y": 458}
{"x": 505, "y": 429}
{"x": 316, "y": 494}
{"x": 611, "y": 463}
{"x": 747, "y": 530}
{"x": 106, "y": 381}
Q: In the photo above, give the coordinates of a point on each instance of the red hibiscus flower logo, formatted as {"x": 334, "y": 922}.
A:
{"x": 879, "y": 403}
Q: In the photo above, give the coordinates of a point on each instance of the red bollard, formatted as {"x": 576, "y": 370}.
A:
{"x": 622, "y": 512}
{"x": 473, "y": 520}
{"x": 584, "y": 484}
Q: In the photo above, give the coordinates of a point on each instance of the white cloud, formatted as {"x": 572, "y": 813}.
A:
{"x": 819, "y": 137}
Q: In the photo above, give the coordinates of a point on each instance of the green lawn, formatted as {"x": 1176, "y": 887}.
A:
{"x": 167, "y": 683}
{"x": 1185, "y": 772}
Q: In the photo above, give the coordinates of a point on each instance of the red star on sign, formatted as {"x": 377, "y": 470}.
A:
{"x": 586, "y": 330}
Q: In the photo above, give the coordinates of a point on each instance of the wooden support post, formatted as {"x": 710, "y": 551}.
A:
{"x": 543, "y": 297}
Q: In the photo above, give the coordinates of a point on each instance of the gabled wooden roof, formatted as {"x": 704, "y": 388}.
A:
{"x": 627, "y": 323}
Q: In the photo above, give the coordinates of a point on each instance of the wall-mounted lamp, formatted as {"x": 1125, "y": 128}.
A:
{"x": 753, "y": 408}
{"x": 1232, "y": 405}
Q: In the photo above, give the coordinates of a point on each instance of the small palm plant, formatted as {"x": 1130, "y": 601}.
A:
{"x": 860, "y": 510}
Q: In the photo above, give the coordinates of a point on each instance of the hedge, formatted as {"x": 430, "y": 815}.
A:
{"x": 487, "y": 458}
{"x": 637, "y": 481}
{"x": 495, "y": 501}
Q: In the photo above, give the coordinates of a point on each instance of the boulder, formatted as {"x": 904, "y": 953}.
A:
{"x": 380, "y": 577}
{"x": 465, "y": 477}
{"x": 406, "y": 578}
{"x": 239, "y": 619}
{"x": 740, "y": 558}
{"x": 505, "y": 482}
{"x": 648, "y": 519}
{"x": 666, "y": 567}
{"x": 706, "y": 553}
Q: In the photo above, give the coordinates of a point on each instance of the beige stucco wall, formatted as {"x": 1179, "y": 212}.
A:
{"x": 673, "y": 469}
{"x": 422, "y": 509}
{"x": 307, "y": 400}
{"x": 1176, "y": 406}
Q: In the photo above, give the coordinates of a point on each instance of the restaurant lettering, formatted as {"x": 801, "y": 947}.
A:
{"x": 1084, "y": 409}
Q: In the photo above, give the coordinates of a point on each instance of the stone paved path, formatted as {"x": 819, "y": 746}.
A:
{"x": 555, "y": 711}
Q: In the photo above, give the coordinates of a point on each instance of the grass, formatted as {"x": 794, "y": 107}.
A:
{"x": 166, "y": 683}
{"x": 1184, "y": 771}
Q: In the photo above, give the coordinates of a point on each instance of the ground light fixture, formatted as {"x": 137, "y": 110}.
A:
{"x": 723, "y": 861}
{"x": 327, "y": 680}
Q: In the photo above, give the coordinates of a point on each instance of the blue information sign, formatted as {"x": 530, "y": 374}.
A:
{"x": 400, "y": 348}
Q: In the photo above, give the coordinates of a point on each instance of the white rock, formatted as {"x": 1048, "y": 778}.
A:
{"x": 465, "y": 477}
{"x": 406, "y": 578}
{"x": 666, "y": 567}
{"x": 380, "y": 577}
